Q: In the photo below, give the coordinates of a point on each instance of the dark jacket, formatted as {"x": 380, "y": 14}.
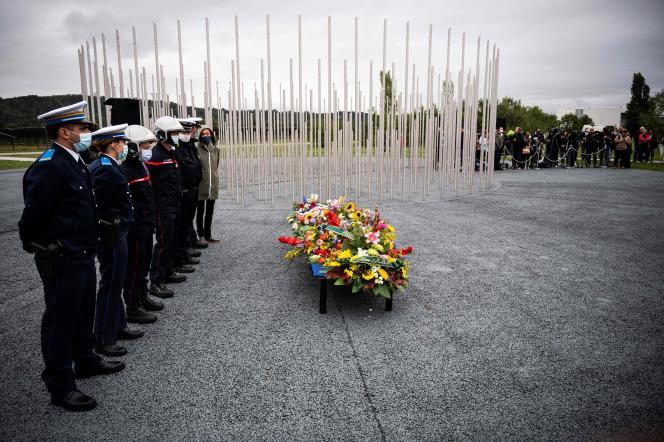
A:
{"x": 190, "y": 164}
{"x": 59, "y": 204}
{"x": 166, "y": 179}
{"x": 138, "y": 178}
{"x": 111, "y": 190}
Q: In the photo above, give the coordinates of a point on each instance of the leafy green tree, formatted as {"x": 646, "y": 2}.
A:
{"x": 386, "y": 82}
{"x": 640, "y": 105}
{"x": 572, "y": 122}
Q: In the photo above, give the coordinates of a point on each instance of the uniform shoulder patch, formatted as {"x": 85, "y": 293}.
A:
{"x": 46, "y": 156}
{"x": 105, "y": 161}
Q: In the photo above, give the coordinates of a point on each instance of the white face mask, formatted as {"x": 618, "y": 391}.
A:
{"x": 175, "y": 139}
{"x": 146, "y": 155}
{"x": 185, "y": 138}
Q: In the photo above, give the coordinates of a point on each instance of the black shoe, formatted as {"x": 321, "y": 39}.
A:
{"x": 140, "y": 316}
{"x": 104, "y": 367}
{"x": 128, "y": 334}
{"x": 74, "y": 401}
{"x": 111, "y": 350}
{"x": 190, "y": 260}
{"x": 200, "y": 244}
{"x": 175, "y": 278}
{"x": 210, "y": 239}
{"x": 184, "y": 268}
{"x": 192, "y": 252}
{"x": 161, "y": 291}
{"x": 151, "y": 305}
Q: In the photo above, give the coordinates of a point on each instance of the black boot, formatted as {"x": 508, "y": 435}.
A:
{"x": 74, "y": 401}
{"x": 111, "y": 350}
{"x": 161, "y": 291}
{"x": 137, "y": 315}
{"x": 200, "y": 244}
{"x": 191, "y": 260}
{"x": 151, "y": 305}
{"x": 183, "y": 268}
{"x": 128, "y": 334}
{"x": 175, "y": 278}
{"x": 192, "y": 252}
{"x": 103, "y": 368}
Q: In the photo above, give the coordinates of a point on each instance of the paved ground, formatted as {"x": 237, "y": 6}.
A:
{"x": 535, "y": 313}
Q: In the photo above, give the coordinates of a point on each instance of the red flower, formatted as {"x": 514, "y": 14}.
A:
{"x": 332, "y": 219}
{"x": 290, "y": 240}
{"x": 406, "y": 251}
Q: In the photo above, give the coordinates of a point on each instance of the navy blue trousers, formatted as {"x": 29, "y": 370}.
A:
{"x": 138, "y": 266}
{"x": 66, "y": 328}
{"x": 164, "y": 248}
{"x": 110, "y": 315}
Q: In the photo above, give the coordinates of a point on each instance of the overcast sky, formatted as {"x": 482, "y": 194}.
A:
{"x": 554, "y": 54}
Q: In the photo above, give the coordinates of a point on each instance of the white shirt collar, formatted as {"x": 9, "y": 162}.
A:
{"x": 73, "y": 153}
{"x": 116, "y": 161}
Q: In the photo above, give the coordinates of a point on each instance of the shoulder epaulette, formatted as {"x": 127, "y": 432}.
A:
{"x": 106, "y": 162}
{"x": 46, "y": 156}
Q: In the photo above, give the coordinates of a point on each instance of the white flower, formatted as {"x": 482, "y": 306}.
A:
{"x": 361, "y": 252}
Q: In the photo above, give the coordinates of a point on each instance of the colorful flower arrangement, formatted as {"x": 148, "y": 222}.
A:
{"x": 354, "y": 245}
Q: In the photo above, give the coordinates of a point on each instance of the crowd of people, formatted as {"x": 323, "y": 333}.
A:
{"x": 132, "y": 206}
{"x": 571, "y": 148}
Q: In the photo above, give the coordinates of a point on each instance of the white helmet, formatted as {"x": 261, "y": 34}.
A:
{"x": 168, "y": 124}
{"x": 139, "y": 134}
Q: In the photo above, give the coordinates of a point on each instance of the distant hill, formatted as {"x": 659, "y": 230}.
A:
{"x": 23, "y": 111}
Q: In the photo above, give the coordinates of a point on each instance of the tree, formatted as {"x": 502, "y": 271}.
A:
{"x": 658, "y": 101}
{"x": 386, "y": 82}
{"x": 572, "y": 122}
{"x": 528, "y": 118}
{"x": 640, "y": 106}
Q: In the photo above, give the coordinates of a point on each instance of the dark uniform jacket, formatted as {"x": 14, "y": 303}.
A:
{"x": 59, "y": 204}
{"x": 111, "y": 190}
{"x": 166, "y": 179}
{"x": 190, "y": 164}
{"x": 138, "y": 178}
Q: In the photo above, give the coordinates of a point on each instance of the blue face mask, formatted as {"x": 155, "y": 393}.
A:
{"x": 84, "y": 142}
{"x": 123, "y": 155}
{"x": 206, "y": 140}
{"x": 146, "y": 155}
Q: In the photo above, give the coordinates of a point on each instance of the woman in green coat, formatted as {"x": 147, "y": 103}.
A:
{"x": 208, "y": 189}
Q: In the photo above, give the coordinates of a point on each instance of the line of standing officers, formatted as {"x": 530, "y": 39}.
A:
{"x": 133, "y": 207}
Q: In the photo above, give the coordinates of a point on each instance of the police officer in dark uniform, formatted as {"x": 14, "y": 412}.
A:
{"x": 167, "y": 187}
{"x": 192, "y": 172}
{"x": 116, "y": 213}
{"x": 141, "y": 231}
{"x": 59, "y": 225}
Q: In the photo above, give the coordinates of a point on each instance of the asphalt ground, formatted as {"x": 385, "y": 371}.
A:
{"x": 535, "y": 312}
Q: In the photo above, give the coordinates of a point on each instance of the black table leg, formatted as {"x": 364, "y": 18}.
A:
{"x": 388, "y": 304}
{"x": 323, "y": 296}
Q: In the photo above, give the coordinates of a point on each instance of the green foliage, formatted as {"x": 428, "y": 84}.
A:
{"x": 386, "y": 82}
{"x": 527, "y": 117}
{"x": 23, "y": 111}
{"x": 572, "y": 122}
{"x": 658, "y": 101}
{"x": 640, "y": 104}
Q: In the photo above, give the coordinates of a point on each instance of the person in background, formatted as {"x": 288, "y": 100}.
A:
{"x": 517, "y": 151}
{"x": 622, "y": 141}
{"x": 116, "y": 212}
{"x": 498, "y": 152}
{"x": 59, "y": 225}
{"x": 652, "y": 145}
{"x": 208, "y": 190}
{"x": 607, "y": 146}
{"x": 573, "y": 148}
{"x": 564, "y": 148}
{"x": 526, "y": 151}
{"x": 167, "y": 189}
{"x": 643, "y": 143}
{"x": 141, "y": 231}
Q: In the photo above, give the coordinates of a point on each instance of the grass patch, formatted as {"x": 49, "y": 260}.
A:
{"x": 5, "y": 149}
{"x": 648, "y": 166}
{"x": 5, "y": 164}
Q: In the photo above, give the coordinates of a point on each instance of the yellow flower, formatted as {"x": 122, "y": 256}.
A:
{"x": 348, "y": 273}
{"x": 333, "y": 264}
{"x": 353, "y": 267}
{"x": 368, "y": 275}
{"x": 350, "y": 207}
{"x": 346, "y": 254}
{"x": 383, "y": 274}
{"x": 357, "y": 215}
{"x": 309, "y": 216}
{"x": 390, "y": 228}
{"x": 373, "y": 252}
{"x": 404, "y": 272}
{"x": 391, "y": 260}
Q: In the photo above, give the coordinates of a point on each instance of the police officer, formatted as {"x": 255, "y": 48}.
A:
{"x": 141, "y": 231}
{"x": 167, "y": 188}
{"x": 116, "y": 212}
{"x": 192, "y": 172}
{"x": 59, "y": 225}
